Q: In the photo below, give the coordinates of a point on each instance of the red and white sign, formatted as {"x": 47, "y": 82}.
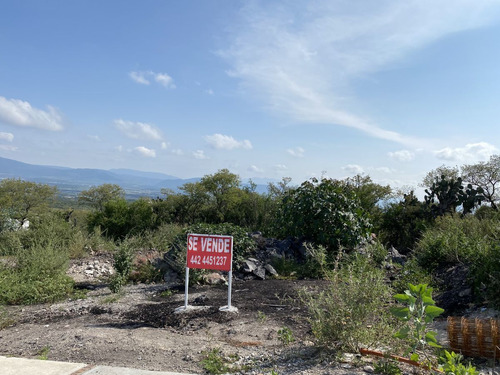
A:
{"x": 210, "y": 252}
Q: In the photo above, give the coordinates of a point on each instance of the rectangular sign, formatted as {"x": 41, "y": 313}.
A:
{"x": 210, "y": 252}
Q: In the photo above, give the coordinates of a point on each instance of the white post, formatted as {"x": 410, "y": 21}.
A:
{"x": 186, "y": 289}
{"x": 229, "y": 290}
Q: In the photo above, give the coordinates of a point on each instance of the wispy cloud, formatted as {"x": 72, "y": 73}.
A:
{"x": 200, "y": 155}
{"x": 302, "y": 60}
{"x": 8, "y": 148}
{"x": 226, "y": 142}
{"x": 298, "y": 152}
{"x": 402, "y": 155}
{"x": 21, "y": 113}
{"x": 138, "y": 130}
{"x": 144, "y": 151}
{"x": 255, "y": 169}
{"x": 353, "y": 168}
{"x": 470, "y": 152}
{"x": 144, "y": 78}
{"x": 9, "y": 137}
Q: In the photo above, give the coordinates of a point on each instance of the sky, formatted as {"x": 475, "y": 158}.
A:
{"x": 267, "y": 89}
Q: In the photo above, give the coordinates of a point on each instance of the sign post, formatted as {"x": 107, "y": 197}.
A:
{"x": 210, "y": 252}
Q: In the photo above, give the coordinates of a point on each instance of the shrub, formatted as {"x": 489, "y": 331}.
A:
{"x": 123, "y": 258}
{"x": 326, "y": 212}
{"x": 456, "y": 240}
{"x": 486, "y": 276}
{"x": 351, "y": 312}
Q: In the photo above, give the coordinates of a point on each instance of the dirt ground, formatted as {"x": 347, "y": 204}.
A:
{"x": 138, "y": 328}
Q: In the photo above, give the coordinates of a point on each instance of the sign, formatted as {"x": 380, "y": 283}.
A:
{"x": 210, "y": 252}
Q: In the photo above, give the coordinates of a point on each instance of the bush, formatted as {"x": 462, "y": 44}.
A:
{"x": 123, "y": 258}
{"x": 325, "y": 212}
{"x": 38, "y": 277}
{"x": 456, "y": 240}
{"x": 486, "y": 276}
{"x": 352, "y": 311}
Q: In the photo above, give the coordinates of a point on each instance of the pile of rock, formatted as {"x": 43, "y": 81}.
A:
{"x": 90, "y": 269}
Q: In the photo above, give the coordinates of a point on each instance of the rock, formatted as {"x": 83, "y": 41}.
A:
{"x": 214, "y": 278}
{"x": 249, "y": 266}
{"x": 465, "y": 293}
{"x": 396, "y": 257}
{"x": 260, "y": 272}
{"x": 270, "y": 269}
{"x": 369, "y": 369}
{"x": 170, "y": 276}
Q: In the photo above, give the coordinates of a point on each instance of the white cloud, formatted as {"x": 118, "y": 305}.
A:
{"x": 138, "y": 130}
{"x": 119, "y": 148}
{"x": 164, "y": 79}
{"x": 209, "y": 91}
{"x": 384, "y": 170}
{"x": 298, "y": 152}
{"x": 200, "y": 155}
{"x": 255, "y": 169}
{"x": 9, "y": 137}
{"x": 144, "y": 78}
{"x": 177, "y": 151}
{"x": 302, "y": 59}
{"x": 280, "y": 167}
{"x": 139, "y": 77}
{"x": 402, "y": 155}
{"x": 226, "y": 142}
{"x": 353, "y": 168}
{"x": 164, "y": 145}
{"x": 95, "y": 138}
{"x": 470, "y": 152}
{"x": 21, "y": 113}
{"x": 144, "y": 151}
{"x": 8, "y": 148}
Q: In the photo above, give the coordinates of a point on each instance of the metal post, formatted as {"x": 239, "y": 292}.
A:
{"x": 186, "y": 289}
{"x": 229, "y": 290}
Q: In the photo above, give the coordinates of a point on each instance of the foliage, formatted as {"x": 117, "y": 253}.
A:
{"x": 455, "y": 239}
{"x": 451, "y": 173}
{"x": 418, "y": 312}
{"x": 123, "y": 266}
{"x": 485, "y": 175}
{"x": 401, "y": 224}
{"x": 38, "y": 277}
{"x": 21, "y": 200}
{"x": 285, "y": 335}
{"x": 370, "y": 194}
{"x": 387, "y": 367}
{"x": 43, "y": 353}
{"x": 214, "y": 362}
{"x": 325, "y": 212}
{"x": 446, "y": 194}
{"x": 97, "y": 196}
{"x": 486, "y": 276}
{"x": 451, "y": 364}
{"x": 5, "y": 319}
{"x": 351, "y": 311}
{"x": 409, "y": 272}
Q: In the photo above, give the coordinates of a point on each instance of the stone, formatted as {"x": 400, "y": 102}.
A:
{"x": 369, "y": 369}
{"x": 260, "y": 272}
{"x": 270, "y": 269}
{"x": 249, "y": 266}
{"x": 214, "y": 278}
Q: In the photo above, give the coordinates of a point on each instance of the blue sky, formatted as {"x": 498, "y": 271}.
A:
{"x": 267, "y": 89}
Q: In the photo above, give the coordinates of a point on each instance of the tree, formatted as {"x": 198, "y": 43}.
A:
{"x": 485, "y": 175}
{"x": 443, "y": 170}
{"x": 98, "y": 196}
{"x": 325, "y": 212}
{"x": 223, "y": 189}
{"x": 19, "y": 199}
{"x": 369, "y": 193}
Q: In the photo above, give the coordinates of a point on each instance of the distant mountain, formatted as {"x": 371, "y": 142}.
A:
{"x": 71, "y": 181}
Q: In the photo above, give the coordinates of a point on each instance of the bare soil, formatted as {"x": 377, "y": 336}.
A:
{"x": 138, "y": 328}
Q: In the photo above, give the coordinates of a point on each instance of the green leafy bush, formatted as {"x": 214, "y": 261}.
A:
{"x": 123, "y": 258}
{"x": 326, "y": 212}
{"x": 351, "y": 312}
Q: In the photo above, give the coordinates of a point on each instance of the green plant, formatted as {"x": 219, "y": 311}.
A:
{"x": 43, "y": 353}
{"x": 417, "y": 315}
{"x": 214, "y": 362}
{"x": 387, "y": 367}
{"x": 351, "y": 312}
{"x": 451, "y": 364}
{"x": 285, "y": 335}
{"x": 123, "y": 266}
{"x": 5, "y": 319}
{"x": 262, "y": 317}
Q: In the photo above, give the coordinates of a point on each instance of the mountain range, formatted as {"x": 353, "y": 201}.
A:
{"x": 71, "y": 181}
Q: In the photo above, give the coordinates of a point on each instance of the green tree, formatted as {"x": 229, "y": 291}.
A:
{"x": 97, "y": 196}
{"x": 370, "y": 194}
{"x": 485, "y": 175}
{"x": 19, "y": 199}
{"x": 450, "y": 173}
{"x": 223, "y": 190}
{"x": 325, "y": 212}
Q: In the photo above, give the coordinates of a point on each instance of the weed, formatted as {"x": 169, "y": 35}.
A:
{"x": 285, "y": 335}
{"x": 5, "y": 319}
{"x": 451, "y": 364}
{"x": 214, "y": 362}
{"x": 167, "y": 293}
{"x": 112, "y": 298}
{"x": 43, "y": 353}
{"x": 262, "y": 317}
{"x": 387, "y": 367}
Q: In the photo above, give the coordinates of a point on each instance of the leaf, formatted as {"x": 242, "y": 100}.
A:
{"x": 402, "y": 333}
{"x": 415, "y": 357}
{"x": 427, "y": 300}
{"x": 433, "y": 311}
{"x": 402, "y": 297}
{"x": 400, "y": 312}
